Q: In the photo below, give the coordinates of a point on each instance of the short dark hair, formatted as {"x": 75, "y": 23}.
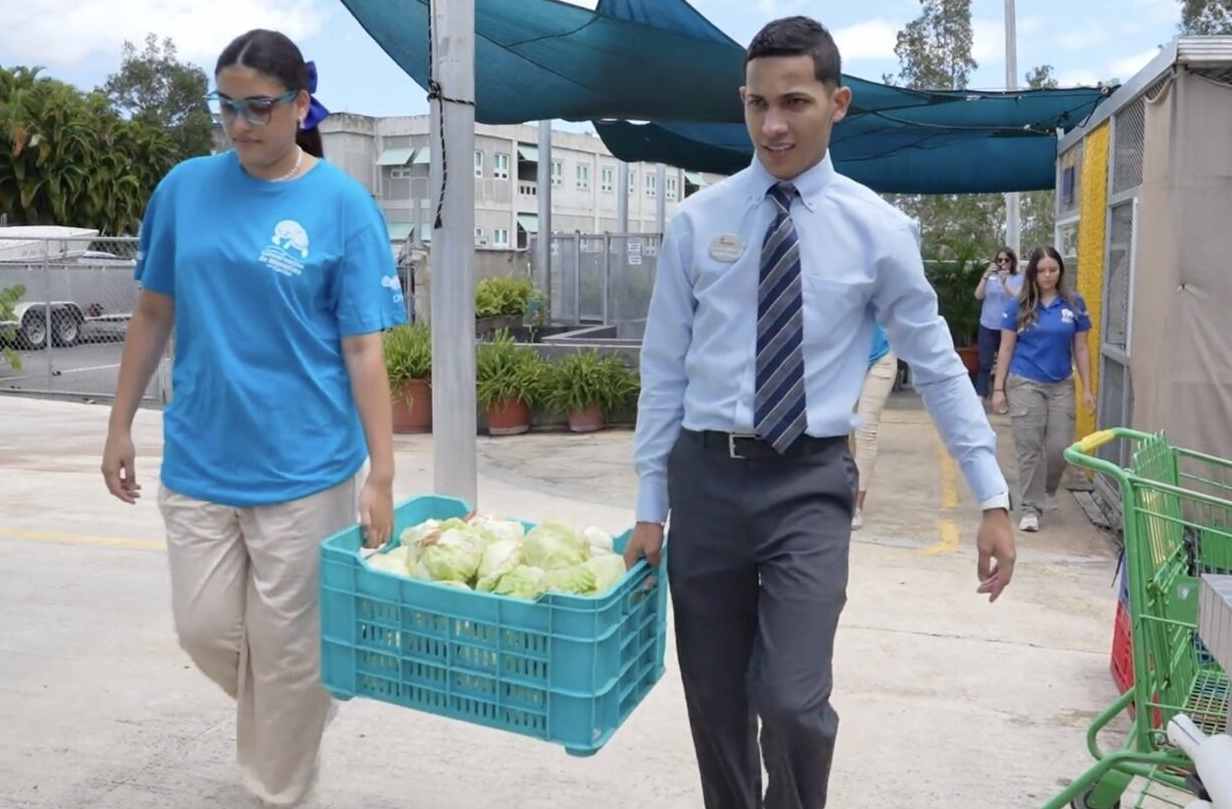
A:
{"x": 273, "y": 54}
{"x": 799, "y": 36}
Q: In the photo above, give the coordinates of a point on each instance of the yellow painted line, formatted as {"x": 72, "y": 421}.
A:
{"x": 949, "y": 538}
{"x": 946, "y": 527}
{"x": 62, "y": 538}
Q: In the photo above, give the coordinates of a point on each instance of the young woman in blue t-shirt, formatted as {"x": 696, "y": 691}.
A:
{"x": 1043, "y": 337}
{"x": 274, "y": 270}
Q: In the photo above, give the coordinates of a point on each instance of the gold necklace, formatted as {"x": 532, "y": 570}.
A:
{"x": 299, "y": 157}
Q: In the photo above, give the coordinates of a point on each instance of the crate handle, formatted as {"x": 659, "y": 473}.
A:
{"x": 1095, "y": 440}
{"x": 640, "y": 591}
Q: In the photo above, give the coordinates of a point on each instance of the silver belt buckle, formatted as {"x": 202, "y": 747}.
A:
{"x": 731, "y": 445}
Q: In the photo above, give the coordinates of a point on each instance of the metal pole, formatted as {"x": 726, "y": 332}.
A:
{"x": 416, "y": 244}
{"x": 543, "y": 243}
{"x": 622, "y": 198}
{"x": 607, "y": 277}
{"x": 577, "y": 276}
{"x": 453, "y": 287}
{"x": 661, "y": 197}
{"x": 51, "y": 371}
{"x": 1013, "y": 233}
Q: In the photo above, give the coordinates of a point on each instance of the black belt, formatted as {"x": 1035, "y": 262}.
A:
{"x": 744, "y": 446}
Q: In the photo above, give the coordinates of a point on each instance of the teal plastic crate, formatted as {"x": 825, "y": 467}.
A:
{"x": 564, "y": 669}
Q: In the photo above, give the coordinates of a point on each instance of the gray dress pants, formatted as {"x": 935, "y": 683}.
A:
{"x": 757, "y": 562}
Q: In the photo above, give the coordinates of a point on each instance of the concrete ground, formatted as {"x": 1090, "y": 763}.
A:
{"x": 88, "y": 369}
{"x": 946, "y": 701}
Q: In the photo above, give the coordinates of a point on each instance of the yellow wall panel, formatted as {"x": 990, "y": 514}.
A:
{"x": 1091, "y": 233}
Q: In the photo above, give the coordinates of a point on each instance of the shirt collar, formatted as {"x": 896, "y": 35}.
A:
{"x": 810, "y": 184}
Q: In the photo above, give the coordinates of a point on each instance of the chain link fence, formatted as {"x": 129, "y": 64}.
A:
{"x": 1117, "y": 281}
{"x": 70, "y": 299}
{"x": 602, "y": 278}
{"x": 1129, "y": 143}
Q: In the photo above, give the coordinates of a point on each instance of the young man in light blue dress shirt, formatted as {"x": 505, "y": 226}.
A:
{"x": 766, "y": 295}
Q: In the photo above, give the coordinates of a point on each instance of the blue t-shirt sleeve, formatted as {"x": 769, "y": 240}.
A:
{"x": 1082, "y": 320}
{"x": 369, "y": 293}
{"x": 155, "y": 268}
{"x": 1009, "y": 318}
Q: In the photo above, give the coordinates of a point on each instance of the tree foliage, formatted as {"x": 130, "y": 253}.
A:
{"x": 68, "y": 158}
{"x": 156, "y": 88}
{"x": 934, "y": 53}
{"x": 1206, "y": 17}
{"x": 9, "y": 297}
{"x": 934, "y": 50}
{"x": 1037, "y": 209}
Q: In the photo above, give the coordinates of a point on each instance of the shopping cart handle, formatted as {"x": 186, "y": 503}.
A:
{"x": 1094, "y": 441}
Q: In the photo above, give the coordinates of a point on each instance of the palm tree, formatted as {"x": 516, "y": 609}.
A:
{"x": 68, "y": 158}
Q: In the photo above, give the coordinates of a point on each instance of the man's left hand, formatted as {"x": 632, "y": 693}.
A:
{"x": 996, "y": 545}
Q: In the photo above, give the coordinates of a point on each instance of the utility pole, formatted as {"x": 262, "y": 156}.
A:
{"x": 1013, "y": 231}
{"x": 453, "y": 248}
{"x": 543, "y": 242}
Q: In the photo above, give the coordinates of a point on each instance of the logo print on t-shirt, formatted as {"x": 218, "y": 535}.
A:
{"x": 1067, "y": 316}
{"x": 290, "y": 248}
{"x": 392, "y": 283}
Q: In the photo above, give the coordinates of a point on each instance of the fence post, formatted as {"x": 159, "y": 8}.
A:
{"x": 607, "y": 277}
{"x": 47, "y": 341}
{"x": 547, "y": 272}
{"x": 577, "y": 277}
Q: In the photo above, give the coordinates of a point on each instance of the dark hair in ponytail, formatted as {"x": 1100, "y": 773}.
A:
{"x": 275, "y": 55}
{"x": 310, "y": 141}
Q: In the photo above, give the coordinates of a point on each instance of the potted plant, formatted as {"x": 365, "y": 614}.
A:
{"x": 408, "y": 362}
{"x": 585, "y": 386}
{"x": 509, "y": 380}
{"x": 501, "y": 303}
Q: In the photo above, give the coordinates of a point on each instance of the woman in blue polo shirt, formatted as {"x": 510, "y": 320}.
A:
{"x": 1043, "y": 337}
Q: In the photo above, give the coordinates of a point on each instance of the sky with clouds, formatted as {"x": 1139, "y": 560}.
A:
{"x": 79, "y": 40}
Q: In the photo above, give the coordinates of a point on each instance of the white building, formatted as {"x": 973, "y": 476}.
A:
{"x": 392, "y": 156}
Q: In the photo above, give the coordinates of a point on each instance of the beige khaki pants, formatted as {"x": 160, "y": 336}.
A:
{"x": 245, "y": 600}
{"x": 877, "y": 386}
{"x": 1043, "y": 416}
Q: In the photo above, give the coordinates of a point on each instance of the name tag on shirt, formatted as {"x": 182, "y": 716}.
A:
{"x": 726, "y": 248}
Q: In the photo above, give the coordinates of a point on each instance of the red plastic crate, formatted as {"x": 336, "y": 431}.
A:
{"x": 1122, "y": 663}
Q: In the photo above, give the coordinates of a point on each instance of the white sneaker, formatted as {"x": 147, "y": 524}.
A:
{"x": 1029, "y": 522}
{"x": 857, "y": 520}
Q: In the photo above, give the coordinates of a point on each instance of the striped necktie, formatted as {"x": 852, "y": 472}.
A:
{"x": 779, "y": 411}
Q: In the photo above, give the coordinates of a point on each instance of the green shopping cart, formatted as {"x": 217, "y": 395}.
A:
{"x": 1177, "y": 507}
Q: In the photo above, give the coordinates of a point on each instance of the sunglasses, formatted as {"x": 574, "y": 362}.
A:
{"x": 1003, "y": 260}
{"x": 256, "y": 110}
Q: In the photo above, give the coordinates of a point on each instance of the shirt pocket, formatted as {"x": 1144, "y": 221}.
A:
{"x": 831, "y": 304}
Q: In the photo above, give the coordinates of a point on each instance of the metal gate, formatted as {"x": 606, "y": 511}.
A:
{"x": 602, "y": 278}
{"x": 68, "y": 300}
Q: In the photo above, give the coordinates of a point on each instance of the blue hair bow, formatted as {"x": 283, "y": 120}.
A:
{"x": 316, "y": 110}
